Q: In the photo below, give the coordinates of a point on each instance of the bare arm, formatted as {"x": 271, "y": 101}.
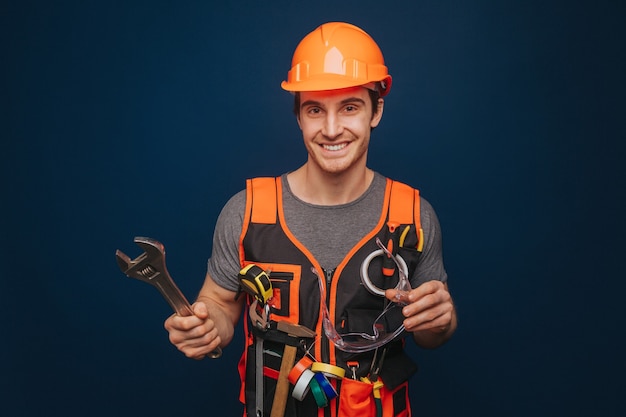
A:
{"x": 430, "y": 313}
{"x": 216, "y": 313}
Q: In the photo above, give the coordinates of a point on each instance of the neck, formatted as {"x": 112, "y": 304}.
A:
{"x": 328, "y": 189}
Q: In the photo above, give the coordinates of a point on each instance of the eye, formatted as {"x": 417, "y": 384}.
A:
{"x": 350, "y": 108}
{"x": 313, "y": 111}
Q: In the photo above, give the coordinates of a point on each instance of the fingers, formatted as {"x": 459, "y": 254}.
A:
{"x": 429, "y": 307}
{"x": 397, "y": 296}
{"x": 200, "y": 310}
{"x": 196, "y": 335}
{"x": 198, "y": 347}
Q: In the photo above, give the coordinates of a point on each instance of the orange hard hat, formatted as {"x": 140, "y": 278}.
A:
{"x": 337, "y": 55}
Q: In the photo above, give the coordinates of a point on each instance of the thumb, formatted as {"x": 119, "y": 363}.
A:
{"x": 200, "y": 310}
{"x": 397, "y": 296}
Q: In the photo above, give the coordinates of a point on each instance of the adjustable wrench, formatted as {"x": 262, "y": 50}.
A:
{"x": 150, "y": 267}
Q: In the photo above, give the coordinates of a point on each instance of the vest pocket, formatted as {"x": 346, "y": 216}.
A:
{"x": 281, "y": 301}
{"x": 356, "y": 399}
{"x": 285, "y": 280}
{"x": 396, "y": 402}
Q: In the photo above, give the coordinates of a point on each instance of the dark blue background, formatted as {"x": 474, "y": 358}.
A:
{"x": 141, "y": 118}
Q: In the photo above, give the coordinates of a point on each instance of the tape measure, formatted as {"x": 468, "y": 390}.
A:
{"x": 255, "y": 281}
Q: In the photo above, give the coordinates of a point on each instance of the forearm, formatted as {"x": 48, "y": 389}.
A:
{"x": 223, "y": 307}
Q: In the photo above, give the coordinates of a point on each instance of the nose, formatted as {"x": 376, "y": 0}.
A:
{"x": 332, "y": 127}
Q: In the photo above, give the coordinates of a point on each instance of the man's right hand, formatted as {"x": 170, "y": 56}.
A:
{"x": 196, "y": 336}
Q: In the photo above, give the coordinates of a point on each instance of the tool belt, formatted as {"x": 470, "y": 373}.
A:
{"x": 358, "y": 396}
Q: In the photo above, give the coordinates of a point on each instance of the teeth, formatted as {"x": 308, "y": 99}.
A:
{"x": 334, "y": 147}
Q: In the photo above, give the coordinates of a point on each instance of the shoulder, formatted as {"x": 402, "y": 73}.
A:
{"x": 231, "y": 216}
{"x": 428, "y": 217}
{"x": 236, "y": 204}
{"x": 426, "y": 209}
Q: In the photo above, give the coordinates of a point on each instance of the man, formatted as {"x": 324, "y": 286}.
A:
{"x": 317, "y": 231}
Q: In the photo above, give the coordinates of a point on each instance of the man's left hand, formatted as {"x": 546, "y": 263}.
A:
{"x": 428, "y": 307}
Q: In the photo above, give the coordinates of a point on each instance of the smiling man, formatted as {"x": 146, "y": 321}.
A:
{"x": 336, "y": 126}
{"x": 354, "y": 258}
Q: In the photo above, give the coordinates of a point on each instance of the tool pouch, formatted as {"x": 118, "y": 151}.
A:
{"x": 274, "y": 344}
{"x": 356, "y": 399}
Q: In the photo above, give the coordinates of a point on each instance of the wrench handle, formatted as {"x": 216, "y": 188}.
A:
{"x": 176, "y": 299}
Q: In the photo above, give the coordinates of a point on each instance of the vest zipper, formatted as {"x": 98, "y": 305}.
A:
{"x": 329, "y": 278}
{"x": 328, "y": 274}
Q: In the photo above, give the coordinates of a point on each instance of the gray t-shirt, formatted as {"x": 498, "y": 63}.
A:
{"x": 329, "y": 232}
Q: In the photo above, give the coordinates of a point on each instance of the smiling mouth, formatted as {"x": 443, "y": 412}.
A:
{"x": 335, "y": 147}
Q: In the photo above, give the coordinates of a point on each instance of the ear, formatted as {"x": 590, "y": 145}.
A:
{"x": 298, "y": 120}
{"x": 379, "y": 113}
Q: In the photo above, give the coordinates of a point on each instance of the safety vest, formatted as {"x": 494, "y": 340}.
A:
{"x": 267, "y": 242}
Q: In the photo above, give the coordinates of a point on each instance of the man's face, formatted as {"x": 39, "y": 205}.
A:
{"x": 336, "y": 127}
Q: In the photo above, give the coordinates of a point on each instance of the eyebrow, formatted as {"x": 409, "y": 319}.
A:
{"x": 344, "y": 101}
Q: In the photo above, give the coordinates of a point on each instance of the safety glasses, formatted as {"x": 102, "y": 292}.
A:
{"x": 357, "y": 342}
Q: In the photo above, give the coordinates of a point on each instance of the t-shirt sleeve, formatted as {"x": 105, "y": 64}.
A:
{"x": 430, "y": 266}
{"x": 223, "y": 265}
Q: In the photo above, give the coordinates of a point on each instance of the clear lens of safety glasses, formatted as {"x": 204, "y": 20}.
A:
{"x": 363, "y": 342}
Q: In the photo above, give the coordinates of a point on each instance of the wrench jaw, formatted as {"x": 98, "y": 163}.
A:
{"x": 123, "y": 261}
{"x": 150, "y": 267}
{"x": 138, "y": 268}
{"x": 153, "y": 248}
{"x": 147, "y": 266}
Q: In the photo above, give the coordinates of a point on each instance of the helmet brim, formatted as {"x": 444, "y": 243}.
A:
{"x": 327, "y": 83}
